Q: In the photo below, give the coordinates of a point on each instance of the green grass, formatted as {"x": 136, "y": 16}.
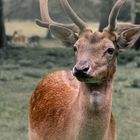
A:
{"x": 21, "y": 68}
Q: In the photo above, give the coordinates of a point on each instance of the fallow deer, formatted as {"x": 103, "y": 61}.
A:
{"x": 77, "y": 104}
{"x": 34, "y": 40}
{"x": 10, "y": 37}
{"x": 19, "y": 38}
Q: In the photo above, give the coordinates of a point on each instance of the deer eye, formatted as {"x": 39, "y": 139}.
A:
{"x": 110, "y": 51}
{"x": 75, "y": 49}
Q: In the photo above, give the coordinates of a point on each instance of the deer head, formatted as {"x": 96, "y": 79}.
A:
{"x": 96, "y": 52}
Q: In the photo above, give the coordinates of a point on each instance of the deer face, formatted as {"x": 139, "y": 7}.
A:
{"x": 95, "y": 52}
{"x": 95, "y": 57}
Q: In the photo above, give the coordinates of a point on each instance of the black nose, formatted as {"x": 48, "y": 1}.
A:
{"x": 80, "y": 71}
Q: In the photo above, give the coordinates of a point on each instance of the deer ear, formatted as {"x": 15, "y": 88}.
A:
{"x": 67, "y": 36}
{"x": 128, "y": 38}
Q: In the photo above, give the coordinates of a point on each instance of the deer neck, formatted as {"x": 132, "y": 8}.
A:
{"x": 96, "y": 104}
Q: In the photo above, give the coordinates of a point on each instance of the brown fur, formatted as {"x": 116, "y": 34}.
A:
{"x": 56, "y": 111}
{"x": 19, "y": 38}
{"x": 60, "y": 107}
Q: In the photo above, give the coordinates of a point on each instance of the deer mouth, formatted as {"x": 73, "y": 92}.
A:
{"x": 88, "y": 79}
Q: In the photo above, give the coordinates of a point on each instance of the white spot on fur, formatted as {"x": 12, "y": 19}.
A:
{"x": 96, "y": 100}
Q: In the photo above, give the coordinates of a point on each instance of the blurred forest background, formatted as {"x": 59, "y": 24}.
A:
{"x": 17, "y": 11}
{"x": 28, "y": 52}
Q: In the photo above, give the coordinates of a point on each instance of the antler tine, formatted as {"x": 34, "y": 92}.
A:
{"x": 114, "y": 14}
{"x": 47, "y": 21}
{"x": 75, "y": 18}
{"x": 44, "y": 24}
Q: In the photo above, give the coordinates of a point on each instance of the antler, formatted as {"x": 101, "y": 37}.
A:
{"x": 47, "y": 21}
{"x": 114, "y": 14}
{"x": 75, "y": 18}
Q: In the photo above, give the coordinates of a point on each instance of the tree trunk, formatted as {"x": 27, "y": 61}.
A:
{"x": 137, "y": 12}
{"x": 137, "y": 21}
{"x": 106, "y": 6}
{"x": 137, "y": 18}
{"x": 133, "y": 11}
{"x": 2, "y": 28}
{"x": 49, "y": 35}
